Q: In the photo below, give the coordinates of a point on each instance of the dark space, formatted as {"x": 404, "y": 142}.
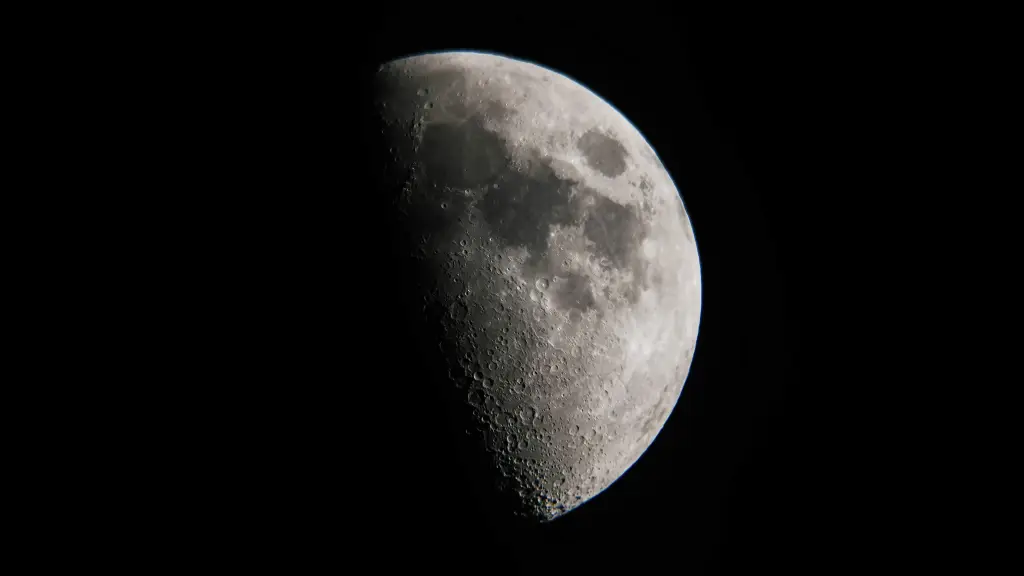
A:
{"x": 308, "y": 432}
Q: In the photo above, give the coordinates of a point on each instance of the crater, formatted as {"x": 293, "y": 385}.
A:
{"x": 603, "y": 153}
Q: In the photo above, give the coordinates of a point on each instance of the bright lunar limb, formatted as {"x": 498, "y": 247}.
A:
{"x": 556, "y": 264}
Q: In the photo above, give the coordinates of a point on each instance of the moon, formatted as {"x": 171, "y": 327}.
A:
{"x": 551, "y": 261}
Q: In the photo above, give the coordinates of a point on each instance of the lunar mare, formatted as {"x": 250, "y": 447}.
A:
{"x": 556, "y": 262}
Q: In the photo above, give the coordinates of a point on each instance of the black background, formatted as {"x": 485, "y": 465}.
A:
{"x": 295, "y": 427}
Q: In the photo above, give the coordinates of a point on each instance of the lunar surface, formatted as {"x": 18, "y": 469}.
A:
{"x": 553, "y": 262}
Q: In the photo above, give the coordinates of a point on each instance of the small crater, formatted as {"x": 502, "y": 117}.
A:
{"x": 527, "y": 414}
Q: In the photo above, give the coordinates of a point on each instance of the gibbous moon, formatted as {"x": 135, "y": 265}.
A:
{"x": 554, "y": 263}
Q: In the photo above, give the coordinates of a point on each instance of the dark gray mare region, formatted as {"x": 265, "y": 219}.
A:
{"x": 603, "y": 153}
{"x": 521, "y": 199}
